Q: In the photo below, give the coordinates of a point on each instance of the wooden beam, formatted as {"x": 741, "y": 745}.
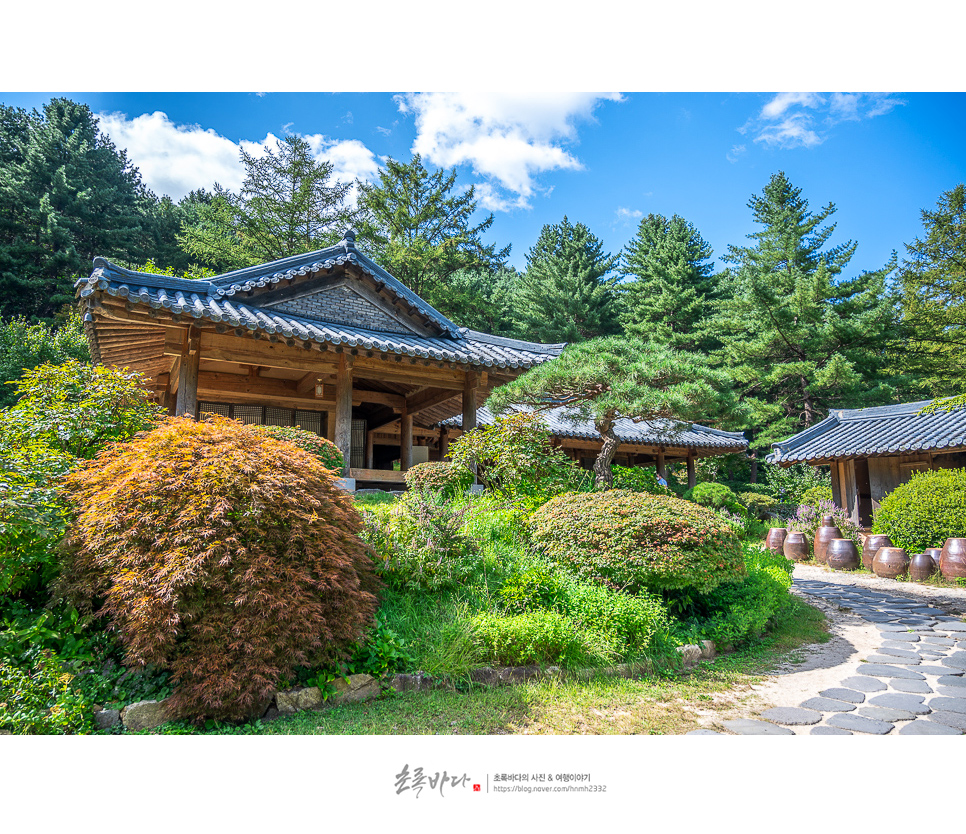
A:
{"x": 390, "y": 476}
{"x": 187, "y": 402}
{"x": 343, "y": 408}
{"x": 306, "y": 385}
{"x": 428, "y": 399}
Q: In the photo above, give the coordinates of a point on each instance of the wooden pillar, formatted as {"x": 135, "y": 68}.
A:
{"x": 370, "y": 449}
{"x": 469, "y": 407}
{"x": 443, "y": 443}
{"x": 405, "y": 441}
{"x": 692, "y": 478}
{"x": 187, "y": 402}
{"x": 661, "y": 468}
{"x": 343, "y": 409}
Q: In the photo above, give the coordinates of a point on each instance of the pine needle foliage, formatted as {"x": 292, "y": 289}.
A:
{"x": 222, "y": 554}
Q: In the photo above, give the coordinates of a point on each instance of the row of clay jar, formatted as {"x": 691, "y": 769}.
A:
{"x": 878, "y": 553}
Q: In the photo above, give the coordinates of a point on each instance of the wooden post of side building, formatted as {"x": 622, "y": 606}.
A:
{"x": 343, "y": 410}
{"x": 443, "y": 443}
{"x": 692, "y": 478}
{"x": 405, "y": 440}
{"x": 661, "y": 468}
{"x": 370, "y": 448}
{"x": 469, "y": 406}
{"x": 187, "y": 401}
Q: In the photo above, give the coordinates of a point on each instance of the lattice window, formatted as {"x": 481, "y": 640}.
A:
{"x": 358, "y": 453}
{"x": 310, "y": 421}
{"x": 215, "y": 408}
{"x": 249, "y": 414}
{"x": 278, "y": 416}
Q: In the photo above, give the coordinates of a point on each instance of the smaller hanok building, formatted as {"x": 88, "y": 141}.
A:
{"x": 654, "y": 443}
{"x": 327, "y": 341}
{"x": 873, "y": 450}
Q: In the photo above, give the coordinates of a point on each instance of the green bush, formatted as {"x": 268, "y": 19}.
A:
{"x": 816, "y": 494}
{"x": 638, "y": 479}
{"x": 446, "y": 479}
{"x": 421, "y": 542}
{"x": 758, "y": 504}
{"x": 635, "y": 541}
{"x": 790, "y": 483}
{"x": 536, "y": 637}
{"x": 325, "y": 450}
{"x": 924, "y": 512}
{"x": 713, "y": 495}
{"x": 740, "y": 610}
{"x": 42, "y": 700}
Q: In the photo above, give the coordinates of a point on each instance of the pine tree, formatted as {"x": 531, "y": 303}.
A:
{"x": 287, "y": 205}
{"x": 68, "y": 195}
{"x": 799, "y": 339}
{"x": 933, "y": 282}
{"x": 420, "y": 228}
{"x": 668, "y": 297}
{"x": 567, "y": 293}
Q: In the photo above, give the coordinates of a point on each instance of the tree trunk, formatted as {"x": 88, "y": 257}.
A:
{"x": 603, "y": 476}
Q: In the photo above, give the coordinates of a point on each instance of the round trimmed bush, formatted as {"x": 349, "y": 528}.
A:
{"x": 924, "y": 512}
{"x": 221, "y": 554}
{"x": 635, "y": 541}
{"x": 447, "y": 479}
{"x": 325, "y": 450}
{"x": 710, "y": 494}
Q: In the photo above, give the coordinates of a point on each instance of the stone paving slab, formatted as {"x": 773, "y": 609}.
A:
{"x": 956, "y": 660}
{"x": 938, "y": 641}
{"x": 914, "y": 687}
{"x": 950, "y": 719}
{"x": 935, "y": 670}
{"x": 904, "y": 636}
{"x": 750, "y": 727}
{"x": 792, "y": 716}
{"x": 704, "y": 732}
{"x": 949, "y": 704}
{"x": 959, "y": 625}
{"x": 894, "y": 652}
{"x": 896, "y": 700}
{"x": 898, "y": 661}
{"x": 827, "y": 705}
{"x": 925, "y": 727}
{"x": 878, "y": 670}
{"x": 947, "y": 676}
{"x": 951, "y": 691}
{"x": 866, "y": 684}
{"x": 824, "y": 730}
{"x": 886, "y": 714}
{"x": 859, "y": 724}
{"x": 841, "y": 694}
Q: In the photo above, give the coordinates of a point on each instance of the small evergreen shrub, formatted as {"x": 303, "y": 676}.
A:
{"x": 713, "y": 495}
{"x": 536, "y": 637}
{"x": 442, "y": 478}
{"x": 758, "y": 504}
{"x": 924, "y": 512}
{"x": 325, "y": 450}
{"x": 635, "y": 541}
{"x": 638, "y": 479}
{"x": 816, "y": 494}
{"x": 222, "y": 554}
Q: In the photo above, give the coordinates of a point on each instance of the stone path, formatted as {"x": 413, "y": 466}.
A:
{"x": 914, "y": 683}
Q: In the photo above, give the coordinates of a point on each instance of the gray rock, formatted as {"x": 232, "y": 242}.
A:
{"x": 286, "y": 702}
{"x": 886, "y": 714}
{"x": 865, "y": 684}
{"x": 860, "y": 724}
{"x": 949, "y": 704}
{"x": 792, "y": 716}
{"x": 309, "y": 698}
{"x": 707, "y": 649}
{"x": 690, "y": 654}
{"x": 896, "y": 700}
{"x": 914, "y": 687}
{"x": 840, "y": 694}
{"x": 145, "y": 715}
{"x": 703, "y": 732}
{"x": 881, "y": 671}
{"x": 829, "y": 731}
{"x": 950, "y": 719}
{"x": 750, "y": 727}
{"x": 356, "y": 688}
{"x": 904, "y": 637}
{"x": 937, "y": 641}
{"x": 954, "y": 626}
{"x": 925, "y": 727}
{"x": 946, "y": 672}
{"x": 904, "y": 653}
{"x": 106, "y": 718}
{"x": 957, "y": 660}
{"x": 418, "y": 681}
{"x": 898, "y": 661}
{"x": 827, "y": 705}
{"x": 951, "y": 691}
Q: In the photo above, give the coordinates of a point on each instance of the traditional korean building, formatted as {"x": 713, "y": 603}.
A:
{"x": 645, "y": 443}
{"x": 873, "y": 450}
{"x": 328, "y": 341}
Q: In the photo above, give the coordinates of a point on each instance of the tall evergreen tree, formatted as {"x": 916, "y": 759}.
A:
{"x": 66, "y": 194}
{"x": 420, "y": 227}
{"x": 567, "y": 293}
{"x": 287, "y": 205}
{"x": 668, "y": 297}
{"x": 933, "y": 282}
{"x": 797, "y": 337}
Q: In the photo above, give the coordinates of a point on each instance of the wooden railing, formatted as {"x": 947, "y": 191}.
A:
{"x": 389, "y": 476}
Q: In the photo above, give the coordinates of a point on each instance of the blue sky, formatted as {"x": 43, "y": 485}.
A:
{"x": 601, "y": 159}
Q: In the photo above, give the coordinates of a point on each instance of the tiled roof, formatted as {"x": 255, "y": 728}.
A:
{"x": 645, "y": 433}
{"x": 213, "y": 301}
{"x": 866, "y": 432}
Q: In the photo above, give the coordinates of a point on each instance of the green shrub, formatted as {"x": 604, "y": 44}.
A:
{"x": 635, "y": 541}
{"x": 537, "y": 637}
{"x": 42, "y": 700}
{"x": 924, "y": 512}
{"x": 816, "y": 494}
{"x": 515, "y": 459}
{"x": 790, "y": 483}
{"x": 638, "y": 479}
{"x": 758, "y": 504}
{"x": 221, "y": 554}
{"x": 713, "y": 495}
{"x": 422, "y": 544}
{"x": 531, "y": 585}
{"x": 325, "y": 450}
{"x": 446, "y": 479}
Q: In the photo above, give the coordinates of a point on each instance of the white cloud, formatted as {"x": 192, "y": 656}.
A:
{"x": 507, "y": 139}
{"x": 175, "y": 159}
{"x": 792, "y": 120}
{"x": 735, "y": 152}
{"x": 626, "y": 215}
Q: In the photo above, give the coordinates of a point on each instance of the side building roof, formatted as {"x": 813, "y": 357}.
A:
{"x": 562, "y": 423}
{"x": 868, "y": 432}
